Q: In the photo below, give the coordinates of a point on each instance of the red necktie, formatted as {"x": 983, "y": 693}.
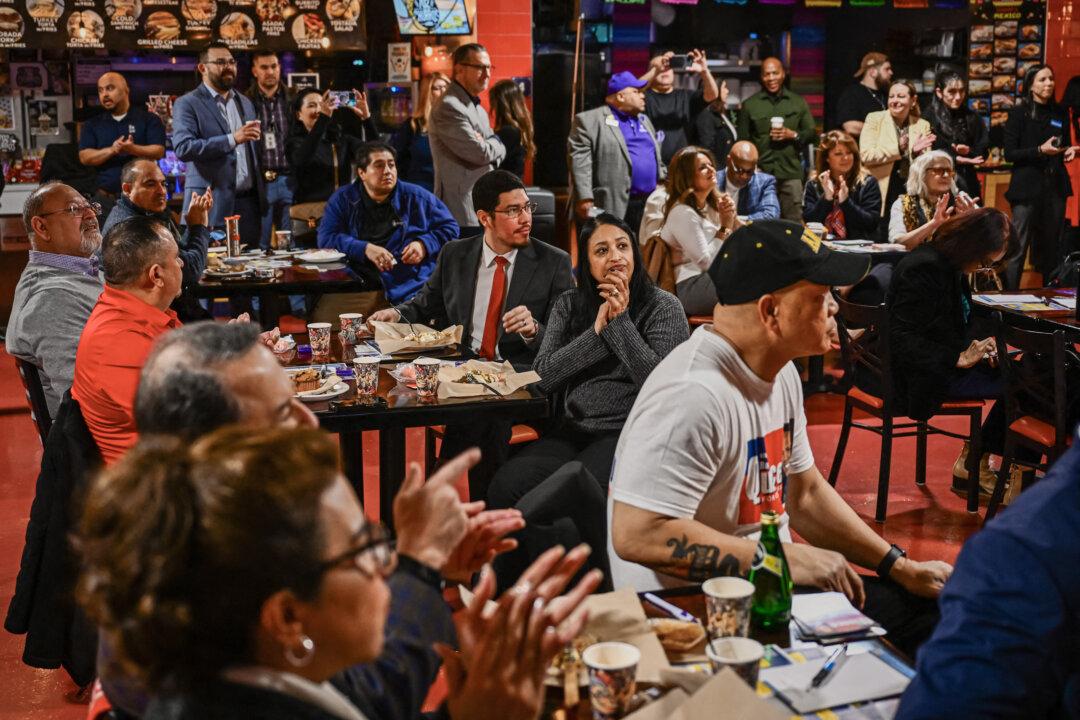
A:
{"x": 835, "y": 222}
{"x": 494, "y": 310}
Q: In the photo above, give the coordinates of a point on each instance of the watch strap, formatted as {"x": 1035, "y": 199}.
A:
{"x": 885, "y": 566}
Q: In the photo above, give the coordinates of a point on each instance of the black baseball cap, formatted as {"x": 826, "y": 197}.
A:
{"x": 764, "y": 256}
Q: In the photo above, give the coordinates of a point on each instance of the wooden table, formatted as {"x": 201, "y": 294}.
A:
{"x": 1050, "y": 320}
{"x": 294, "y": 280}
{"x": 393, "y": 409}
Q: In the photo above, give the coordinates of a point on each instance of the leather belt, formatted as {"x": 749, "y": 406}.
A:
{"x": 272, "y": 175}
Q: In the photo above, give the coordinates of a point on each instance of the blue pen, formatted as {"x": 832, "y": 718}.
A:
{"x": 675, "y": 612}
{"x": 828, "y": 670}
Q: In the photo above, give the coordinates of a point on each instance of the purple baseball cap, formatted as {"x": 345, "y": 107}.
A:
{"x": 623, "y": 80}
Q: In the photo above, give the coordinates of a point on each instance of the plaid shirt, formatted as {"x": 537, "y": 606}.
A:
{"x": 274, "y": 115}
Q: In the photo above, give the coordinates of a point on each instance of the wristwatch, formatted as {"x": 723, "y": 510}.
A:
{"x": 885, "y": 566}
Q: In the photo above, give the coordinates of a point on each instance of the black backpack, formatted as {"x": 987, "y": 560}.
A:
{"x": 1067, "y": 274}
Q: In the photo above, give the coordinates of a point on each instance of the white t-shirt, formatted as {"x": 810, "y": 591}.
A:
{"x": 708, "y": 439}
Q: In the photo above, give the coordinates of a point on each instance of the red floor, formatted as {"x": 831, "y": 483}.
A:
{"x": 930, "y": 522}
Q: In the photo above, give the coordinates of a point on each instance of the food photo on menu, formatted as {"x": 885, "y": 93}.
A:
{"x": 343, "y": 10}
{"x": 11, "y": 22}
{"x": 199, "y": 11}
{"x": 982, "y": 33}
{"x": 120, "y": 9}
{"x": 45, "y": 9}
{"x": 236, "y": 27}
{"x": 162, "y": 25}
{"x": 86, "y": 25}
{"x": 274, "y": 10}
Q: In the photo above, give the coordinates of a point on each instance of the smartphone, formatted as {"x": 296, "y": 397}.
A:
{"x": 343, "y": 98}
{"x": 1055, "y": 141}
{"x": 679, "y": 62}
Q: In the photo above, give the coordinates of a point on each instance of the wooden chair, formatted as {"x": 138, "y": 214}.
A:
{"x": 696, "y": 320}
{"x": 35, "y": 397}
{"x": 1035, "y": 399}
{"x": 867, "y": 354}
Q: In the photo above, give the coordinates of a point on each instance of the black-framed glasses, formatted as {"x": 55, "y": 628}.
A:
{"x": 489, "y": 69}
{"x": 222, "y": 62}
{"x": 75, "y": 209}
{"x": 514, "y": 211}
{"x": 376, "y": 556}
{"x": 736, "y": 170}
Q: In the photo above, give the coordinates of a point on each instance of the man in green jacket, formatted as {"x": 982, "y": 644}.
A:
{"x": 779, "y": 142}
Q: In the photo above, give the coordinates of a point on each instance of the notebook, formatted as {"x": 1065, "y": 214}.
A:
{"x": 863, "y": 677}
{"x": 830, "y": 617}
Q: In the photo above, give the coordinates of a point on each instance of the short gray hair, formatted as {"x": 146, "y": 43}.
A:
{"x": 181, "y": 391}
{"x": 916, "y": 179}
{"x": 36, "y": 200}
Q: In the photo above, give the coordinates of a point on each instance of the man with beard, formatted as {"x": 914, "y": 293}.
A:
{"x": 143, "y": 275}
{"x": 866, "y": 96}
{"x": 118, "y": 135}
{"x": 214, "y": 131}
{"x": 779, "y": 123}
{"x": 58, "y": 287}
{"x": 145, "y": 193}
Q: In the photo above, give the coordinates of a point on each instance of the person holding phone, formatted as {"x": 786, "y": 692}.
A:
{"x": 673, "y": 110}
{"x": 1035, "y": 144}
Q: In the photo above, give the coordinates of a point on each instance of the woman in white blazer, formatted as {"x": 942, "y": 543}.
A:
{"x": 892, "y": 138}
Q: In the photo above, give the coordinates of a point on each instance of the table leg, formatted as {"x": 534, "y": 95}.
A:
{"x": 268, "y": 315}
{"x": 391, "y": 469}
{"x": 352, "y": 459}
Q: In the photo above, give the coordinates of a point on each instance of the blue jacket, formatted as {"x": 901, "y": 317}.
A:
{"x": 423, "y": 217}
{"x": 1010, "y": 614}
{"x": 758, "y": 200}
{"x": 202, "y": 139}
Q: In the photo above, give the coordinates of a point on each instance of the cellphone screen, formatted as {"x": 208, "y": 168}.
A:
{"x": 343, "y": 98}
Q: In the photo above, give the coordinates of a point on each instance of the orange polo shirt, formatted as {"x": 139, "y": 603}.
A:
{"x": 112, "y": 350}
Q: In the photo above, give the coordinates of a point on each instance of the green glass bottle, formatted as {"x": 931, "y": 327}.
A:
{"x": 772, "y": 579}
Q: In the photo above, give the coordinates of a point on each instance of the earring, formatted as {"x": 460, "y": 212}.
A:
{"x": 300, "y": 660}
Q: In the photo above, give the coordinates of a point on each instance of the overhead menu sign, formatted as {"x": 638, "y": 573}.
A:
{"x": 183, "y": 24}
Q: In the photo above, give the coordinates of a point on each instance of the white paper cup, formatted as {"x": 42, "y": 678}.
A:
{"x": 727, "y": 602}
{"x": 427, "y": 376}
{"x": 352, "y": 326}
{"x": 282, "y": 240}
{"x": 742, "y": 655}
{"x": 612, "y": 677}
{"x": 776, "y": 122}
{"x": 319, "y": 338}
{"x": 367, "y": 375}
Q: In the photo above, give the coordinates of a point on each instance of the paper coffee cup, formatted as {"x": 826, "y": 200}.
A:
{"x": 612, "y": 677}
{"x": 427, "y": 376}
{"x": 742, "y": 655}
{"x": 727, "y": 604}
{"x": 777, "y": 122}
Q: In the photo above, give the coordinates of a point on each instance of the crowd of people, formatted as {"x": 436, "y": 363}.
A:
{"x": 664, "y": 448}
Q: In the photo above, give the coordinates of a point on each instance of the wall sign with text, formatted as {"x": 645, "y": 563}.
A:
{"x": 183, "y": 24}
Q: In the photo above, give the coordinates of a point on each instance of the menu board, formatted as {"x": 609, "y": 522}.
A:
{"x": 183, "y": 24}
{"x": 1007, "y": 39}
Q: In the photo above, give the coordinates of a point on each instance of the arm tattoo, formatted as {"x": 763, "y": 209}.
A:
{"x": 705, "y": 561}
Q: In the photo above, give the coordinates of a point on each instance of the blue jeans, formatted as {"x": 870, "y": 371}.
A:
{"x": 279, "y": 197}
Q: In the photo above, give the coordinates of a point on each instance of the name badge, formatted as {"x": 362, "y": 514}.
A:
{"x": 612, "y": 121}
{"x": 1054, "y": 122}
{"x": 131, "y": 129}
{"x": 270, "y": 141}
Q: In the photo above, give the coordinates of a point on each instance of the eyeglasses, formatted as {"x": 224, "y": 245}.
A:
{"x": 488, "y": 69}
{"x": 222, "y": 62}
{"x": 374, "y": 557}
{"x": 514, "y": 211}
{"x": 75, "y": 209}
{"x": 736, "y": 170}
{"x": 941, "y": 171}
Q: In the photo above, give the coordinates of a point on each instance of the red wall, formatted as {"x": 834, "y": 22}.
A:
{"x": 1063, "y": 39}
{"x": 504, "y": 27}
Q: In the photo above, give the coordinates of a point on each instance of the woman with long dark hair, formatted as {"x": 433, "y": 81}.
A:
{"x": 513, "y": 125}
{"x": 1037, "y": 143}
{"x": 411, "y": 140}
{"x": 959, "y": 131}
{"x": 602, "y": 340}
{"x": 937, "y": 352}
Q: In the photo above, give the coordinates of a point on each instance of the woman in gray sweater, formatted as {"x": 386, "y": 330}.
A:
{"x": 602, "y": 340}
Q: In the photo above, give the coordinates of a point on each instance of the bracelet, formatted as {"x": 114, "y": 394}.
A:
{"x": 886, "y": 565}
{"x": 423, "y": 573}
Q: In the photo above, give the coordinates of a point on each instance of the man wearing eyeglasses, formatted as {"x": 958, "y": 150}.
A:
{"x": 215, "y": 129}
{"x": 463, "y": 146}
{"x": 59, "y": 286}
{"x": 753, "y": 191}
{"x": 500, "y": 288}
{"x": 390, "y": 230}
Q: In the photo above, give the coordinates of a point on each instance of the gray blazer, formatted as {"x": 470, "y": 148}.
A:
{"x": 600, "y": 162}
{"x": 461, "y": 157}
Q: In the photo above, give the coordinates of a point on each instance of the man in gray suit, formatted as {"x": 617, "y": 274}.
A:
{"x": 214, "y": 132}
{"x": 463, "y": 146}
{"x": 614, "y": 155}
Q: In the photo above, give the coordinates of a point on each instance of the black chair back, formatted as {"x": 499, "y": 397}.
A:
{"x": 1035, "y": 378}
{"x": 864, "y": 348}
{"x": 543, "y": 220}
{"x": 35, "y": 397}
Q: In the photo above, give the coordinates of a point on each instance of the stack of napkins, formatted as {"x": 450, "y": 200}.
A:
{"x": 829, "y": 618}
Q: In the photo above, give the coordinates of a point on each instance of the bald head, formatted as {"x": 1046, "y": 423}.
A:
{"x": 741, "y": 163}
{"x": 745, "y": 151}
{"x": 113, "y": 93}
{"x": 772, "y": 75}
